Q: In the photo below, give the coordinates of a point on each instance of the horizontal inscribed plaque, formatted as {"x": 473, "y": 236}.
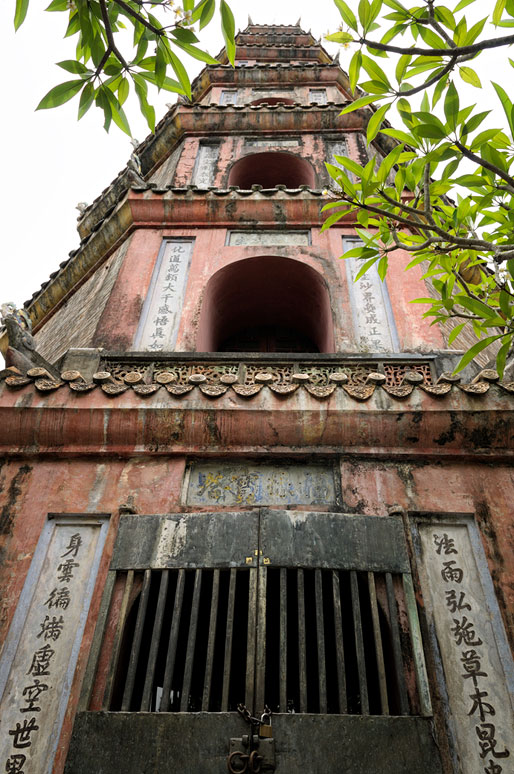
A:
{"x": 270, "y": 238}
{"x": 472, "y": 644}
{"x": 41, "y": 649}
{"x": 160, "y": 319}
{"x": 227, "y": 484}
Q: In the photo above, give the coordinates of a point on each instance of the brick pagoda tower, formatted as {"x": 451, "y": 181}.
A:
{"x": 231, "y": 475}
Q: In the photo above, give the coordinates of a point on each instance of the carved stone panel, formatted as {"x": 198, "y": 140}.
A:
{"x": 271, "y": 142}
{"x": 203, "y": 175}
{"x": 478, "y": 668}
{"x": 160, "y": 318}
{"x": 373, "y": 320}
{"x": 255, "y": 484}
{"x": 270, "y": 238}
{"x": 41, "y": 649}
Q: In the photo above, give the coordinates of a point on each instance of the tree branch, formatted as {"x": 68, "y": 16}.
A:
{"x": 475, "y": 48}
{"x": 110, "y": 37}
{"x": 483, "y": 163}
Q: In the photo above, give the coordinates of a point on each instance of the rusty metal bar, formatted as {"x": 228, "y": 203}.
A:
{"x": 251, "y": 639}
{"x": 260, "y": 660}
{"x": 302, "y": 654}
{"x": 320, "y": 632}
{"x": 397, "y": 648}
{"x": 96, "y": 647}
{"x": 359, "y": 643}
{"x": 283, "y": 641}
{"x": 228, "y": 640}
{"x": 417, "y": 647}
{"x": 379, "y": 651}
{"x": 136, "y": 642}
{"x": 211, "y": 641}
{"x": 154, "y": 644}
{"x": 338, "y": 625}
{"x": 172, "y": 643}
{"x": 115, "y": 653}
{"x": 191, "y": 642}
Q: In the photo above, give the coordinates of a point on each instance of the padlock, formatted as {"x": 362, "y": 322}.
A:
{"x": 265, "y": 731}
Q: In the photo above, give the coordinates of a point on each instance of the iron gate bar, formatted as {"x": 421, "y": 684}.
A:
{"x": 120, "y": 626}
{"x": 251, "y": 639}
{"x": 397, "y": 650}
{"x": 96, "y": 646}
{"x": 417, "y": 647}
{"x": 338, "y": 625}
{"x": 146, "y": 701}
{"x": 260, "y": 661}
{"x": 283, "y": 640}
{"x": 302, "y": 655}
{"x": 172, "y": 643}
{"x": 359, "y": 643}
{"x": 379, "y": 650}
{"x": 136, "y": 643}
{"x": 209, "y": 659}
{"x": 191, "y": 642}
{"x": 228, "y": 639}
{"x": 320, "y": 631}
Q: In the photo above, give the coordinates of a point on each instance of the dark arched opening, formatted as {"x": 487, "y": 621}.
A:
{"x": 273, "y": 101}
{"x": 270, "y": 169}
{"x": 266, "y": 303}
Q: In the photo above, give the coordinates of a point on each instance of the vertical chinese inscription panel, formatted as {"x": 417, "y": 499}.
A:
{"x": 476, "y": 663}
{"x": 160, "y": 319}
{"x": 41, "y": 649}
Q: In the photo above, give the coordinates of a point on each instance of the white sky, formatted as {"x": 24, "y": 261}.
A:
{"x": 51, "y": 162}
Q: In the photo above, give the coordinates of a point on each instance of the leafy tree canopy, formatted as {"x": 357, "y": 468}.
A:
{"x": 124, "y": 44}
{"x": 445, "y": 191}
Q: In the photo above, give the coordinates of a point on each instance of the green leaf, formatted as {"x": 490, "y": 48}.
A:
{"x": 498, "y": 10}
{"x": 397, "y": 134}
{"x": 347, "y": 14}
{"x": 374, "y": 71}
{"x": 506, "y": 103}
{"x": 228, "y": 27}
{"x": 451, "y": 106}
{"x": 86, "y": 100}
{"x": 58, "y": 5}
{"x": 375, "y": 122}
{"x": 184, "y": 35}
{"x": 72, "y": 66}
{"x": 367, "y": 265}
{"x": 474, "y": 351}
{"x": 474, "y": 122}
{"x": 181, "y": 73}
{"x": 20, "y": 12}
{"x": 340, "y": 37}
{"x": 501, "y": 357}
{"x": 469, "y": 76}
{"x": 402, "y": 65}
{"x": 354, "y": 69}
{"x": 60, "y": 94}
{"x": 462, "y": 4}
{"x": 123, "y": 90}
{"x": 168, "y": 84}
{"x": 483, "y": 138}
{"x": 197, "y": 53}
{"x": 207, "y": 13}
{"x": 358, "y": 103}
{"x": 455, "y": 332}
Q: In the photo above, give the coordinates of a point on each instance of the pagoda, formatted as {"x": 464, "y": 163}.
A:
{"x": 249, "y": 520}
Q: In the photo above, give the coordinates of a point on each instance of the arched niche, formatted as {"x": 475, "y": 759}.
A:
{"x": 266, "y": 293}
{"x": 270, "y": 169}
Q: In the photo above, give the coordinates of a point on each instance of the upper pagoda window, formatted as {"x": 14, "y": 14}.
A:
{"x": 228, "y": 97}
{"x": 319, "y": 96}
{"x": 266, "y": 304}
{"x": 271, "y": 169}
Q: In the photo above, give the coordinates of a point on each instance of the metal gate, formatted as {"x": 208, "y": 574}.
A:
{"x": 311, "y": 613}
